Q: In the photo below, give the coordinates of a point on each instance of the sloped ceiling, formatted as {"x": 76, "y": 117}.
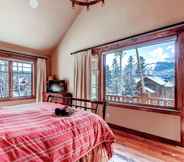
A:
{"x": 38, "y": 29}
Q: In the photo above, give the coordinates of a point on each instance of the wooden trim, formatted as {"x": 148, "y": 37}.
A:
{"x": 180, "y": 79}
{"x": 17, "y": 98}
{"x": 8, "y": 53}
{"x": 145, "y": 135}
{"x": 146, "y": 108}
{"x": 10, "y": 79}
{"x": 136, "y": 41}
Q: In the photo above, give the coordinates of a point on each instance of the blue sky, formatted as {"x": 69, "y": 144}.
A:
{"x": 163, "y": 52}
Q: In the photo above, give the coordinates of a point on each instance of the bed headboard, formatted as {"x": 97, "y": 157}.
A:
{"x": 84, "y": 104}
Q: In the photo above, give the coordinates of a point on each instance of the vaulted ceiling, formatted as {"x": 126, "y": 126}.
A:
{"x": 37, "y": 29}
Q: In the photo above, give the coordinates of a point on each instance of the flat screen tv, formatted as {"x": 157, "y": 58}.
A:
{"x": 56, "y": 86}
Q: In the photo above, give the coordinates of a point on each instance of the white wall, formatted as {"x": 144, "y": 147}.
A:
{"x": 117, "y": 19}
{"x": 163, "y": 125}
{"x": 35, "y": 28}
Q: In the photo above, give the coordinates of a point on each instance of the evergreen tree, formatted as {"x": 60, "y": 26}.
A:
{"x": 108, "y": 74}
{"x": 116, "y": 76}
{"x": 142, "y": 67}
{"x": 119, "y": 56}
{"x": 140, "y": 72}
{"x": 128, "y": 78}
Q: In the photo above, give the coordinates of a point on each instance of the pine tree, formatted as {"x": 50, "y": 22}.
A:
{"x": 119, "y": 56}
{"x": 140, "y": 72}
{"x": 142, "y": 66}
{"x": 108, "y": 82}
{"x": 116, "y": 75}
{"x": 128, "y": 78}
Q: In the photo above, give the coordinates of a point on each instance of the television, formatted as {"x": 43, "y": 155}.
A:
{"x": 56, "y": 86}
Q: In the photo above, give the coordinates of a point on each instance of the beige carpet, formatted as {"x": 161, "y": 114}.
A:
{"x": 123, "y": 154}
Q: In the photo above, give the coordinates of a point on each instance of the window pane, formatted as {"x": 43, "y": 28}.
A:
{"x": 4, "y": 87}
{"x": 143, "y": 75}
{"x": 22, "y": 79}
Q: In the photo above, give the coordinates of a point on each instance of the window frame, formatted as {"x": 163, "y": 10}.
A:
{"x": 142, "y": 45}
{"x": 141, "y": 39}
{"x": 10, "y": 77}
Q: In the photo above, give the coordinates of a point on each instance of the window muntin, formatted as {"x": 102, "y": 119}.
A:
{"x": 22, "y": 79}
{"x": 143, "y": 74}
{"x": 16, "y": 79}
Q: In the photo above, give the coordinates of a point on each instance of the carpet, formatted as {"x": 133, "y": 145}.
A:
{"x": 123, "y": 154}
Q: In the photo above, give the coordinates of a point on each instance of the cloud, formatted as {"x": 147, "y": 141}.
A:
{"x": 157, "y": 55}
{"x": 171, "y": 48}
{"x": 151, "y": 54}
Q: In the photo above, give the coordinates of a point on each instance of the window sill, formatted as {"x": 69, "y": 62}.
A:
{"x": 17, "y": 98}
{"x": 146, "y": 108}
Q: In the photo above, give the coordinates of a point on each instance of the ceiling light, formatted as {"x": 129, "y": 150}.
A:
{"x": 86, "y": 3}
{"x": 34, "y": 3}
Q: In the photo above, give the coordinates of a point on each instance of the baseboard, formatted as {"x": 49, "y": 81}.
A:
{"x": 145, "y": 135}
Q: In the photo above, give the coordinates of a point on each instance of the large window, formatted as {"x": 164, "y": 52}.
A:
{"x": 16, "y": 79}
{"x": 142, "y": 74}
{"x": 22, "y": 79}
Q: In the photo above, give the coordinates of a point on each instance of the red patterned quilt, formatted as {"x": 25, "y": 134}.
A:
{"x": 34, "y": 134}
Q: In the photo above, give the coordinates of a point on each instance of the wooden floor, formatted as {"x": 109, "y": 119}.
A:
{"x": 161, "y": 151}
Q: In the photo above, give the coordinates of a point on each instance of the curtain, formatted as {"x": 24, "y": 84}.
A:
{"x": 41, "y": 79}
{"x": 95, "y": 71}
{"x": 82, "y": 75}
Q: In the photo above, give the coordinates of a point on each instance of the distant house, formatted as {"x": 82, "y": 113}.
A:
{"x": 157, "y": 87}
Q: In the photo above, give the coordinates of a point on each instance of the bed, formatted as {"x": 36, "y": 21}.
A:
{"x": 32, "y": 133}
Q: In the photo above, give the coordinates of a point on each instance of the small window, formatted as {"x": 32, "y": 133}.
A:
{"x": 143, "y": 74}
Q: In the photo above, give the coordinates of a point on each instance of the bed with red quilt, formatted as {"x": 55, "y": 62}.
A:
{"x": 32, "y": 133}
